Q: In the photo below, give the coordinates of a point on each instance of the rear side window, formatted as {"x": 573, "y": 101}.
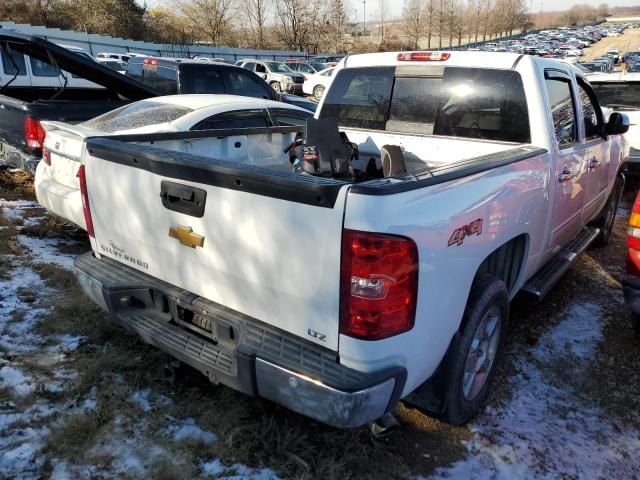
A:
{"x": 199, "y": 79}
{"x": 242, "y": 84}
{"x": 359, "y": 97}
{"x": 40, "y": 68}
{"x": 13, "y": 62}
{"x": 134, "y": 70}
{"x": 166, "y": 80}
{"x": 136, "y": 115}
{"x": 462, "y": 102}
{"x": 562, "y": 110}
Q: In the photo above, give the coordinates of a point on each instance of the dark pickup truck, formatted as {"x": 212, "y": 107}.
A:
{"x": 40, "y": 80}
{"x": 172, "y": 76}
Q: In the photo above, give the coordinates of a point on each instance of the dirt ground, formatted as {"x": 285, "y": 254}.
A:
{"x": 82, "y": 398}
{"x": 628, "y": 41}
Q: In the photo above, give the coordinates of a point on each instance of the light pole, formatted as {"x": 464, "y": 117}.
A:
{"x": 364, "y": 17}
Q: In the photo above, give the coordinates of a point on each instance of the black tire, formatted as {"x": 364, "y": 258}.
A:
{"x": 488, "y": 295}
{"x": 607, "y": 217}
{"x": 276, "y": 86}
{"x": 318, "y": 91}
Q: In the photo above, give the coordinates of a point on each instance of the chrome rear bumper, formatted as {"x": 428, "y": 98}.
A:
{"x": 238, "y": 351}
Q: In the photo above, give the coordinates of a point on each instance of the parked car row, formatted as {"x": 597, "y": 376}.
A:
{"x": 566, "y": 43}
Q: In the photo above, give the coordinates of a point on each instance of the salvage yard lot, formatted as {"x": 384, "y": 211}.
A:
{"x": 82, "y": 398}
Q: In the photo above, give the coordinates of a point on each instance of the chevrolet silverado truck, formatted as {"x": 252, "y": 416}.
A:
{"x": 40, "y": 80}
{"x": 338, "y": 291}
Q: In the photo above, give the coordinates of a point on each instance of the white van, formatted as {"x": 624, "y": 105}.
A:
{"x": 25, "y": 71}
{"x": 123, "y": 57}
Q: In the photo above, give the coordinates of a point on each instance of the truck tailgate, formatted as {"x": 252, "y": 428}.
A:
{"x": 266, "y": 244}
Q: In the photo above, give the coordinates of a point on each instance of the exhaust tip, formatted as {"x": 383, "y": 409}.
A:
{"x": 384, "y": 425}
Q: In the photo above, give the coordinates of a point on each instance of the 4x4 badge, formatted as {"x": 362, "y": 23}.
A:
{"x": 186, "y": 236}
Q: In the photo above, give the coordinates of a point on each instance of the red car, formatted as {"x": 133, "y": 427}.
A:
{"x": 631, "y": 281}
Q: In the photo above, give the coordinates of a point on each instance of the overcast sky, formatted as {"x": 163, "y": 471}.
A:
{"x": 394, "y": 7}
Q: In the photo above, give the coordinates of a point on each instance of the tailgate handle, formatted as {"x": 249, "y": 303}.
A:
{"x": 183, "y": 198}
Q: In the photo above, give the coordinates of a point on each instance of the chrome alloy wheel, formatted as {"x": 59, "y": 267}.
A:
{"x": 482, "y": 353}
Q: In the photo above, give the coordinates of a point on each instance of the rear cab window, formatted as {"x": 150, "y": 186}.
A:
{"x": 40, "y": 68}
{"x": 454, "y": 101}
{"x": 13, "y": 62}
{"x": 136, "y": 115}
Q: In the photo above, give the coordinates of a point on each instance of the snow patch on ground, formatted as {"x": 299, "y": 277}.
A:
{"x": 545, "y": 430}
{"x": 236, "y": 471}
{"x": 188, "y": 430}
{"x": 148, "y": 400}
{"x": 46, "y": 250}
{"x": 14, "y": 210}
{"x": 578, "y": 335}
{"x": 20, "y": 452}
{"x": 16, "y": 380}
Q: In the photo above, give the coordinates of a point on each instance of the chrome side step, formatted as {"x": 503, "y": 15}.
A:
{"x": 544, "y": 280}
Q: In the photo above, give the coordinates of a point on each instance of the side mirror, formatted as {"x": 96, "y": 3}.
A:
{"x": 618, "y": 123}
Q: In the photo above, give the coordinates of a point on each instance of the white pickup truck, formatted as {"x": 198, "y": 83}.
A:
{"x": 338, "y": 295}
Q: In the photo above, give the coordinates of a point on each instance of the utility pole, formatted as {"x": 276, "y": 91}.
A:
{"x": 364, "y": 17}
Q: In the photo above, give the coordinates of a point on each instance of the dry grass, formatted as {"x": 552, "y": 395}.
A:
{"x": 16, "y": 185}
{"x": 629, "y": 40}
{"x": 71, "y": 438}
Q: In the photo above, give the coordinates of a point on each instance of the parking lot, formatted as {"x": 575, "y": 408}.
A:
{"x": 81, "y": 397}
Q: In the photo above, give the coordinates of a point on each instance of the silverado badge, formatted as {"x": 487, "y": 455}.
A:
{"x": 186, "y": 236}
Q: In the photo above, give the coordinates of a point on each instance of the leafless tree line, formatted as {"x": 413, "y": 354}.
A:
{"x": 311, "y": 25}
{"x": 432, "y": 23}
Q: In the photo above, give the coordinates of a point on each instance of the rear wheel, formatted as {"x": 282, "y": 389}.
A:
{"x": 607, "y": 218}
{"x": 318, "y": 91}
{"x": 276, "y": 86}
{"x": 473, "y": 363}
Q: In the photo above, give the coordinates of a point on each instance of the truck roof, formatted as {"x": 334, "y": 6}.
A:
{"x": 502, "y": 60}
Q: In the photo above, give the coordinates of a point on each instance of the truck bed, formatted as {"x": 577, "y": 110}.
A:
{"x": 270, "y": 246}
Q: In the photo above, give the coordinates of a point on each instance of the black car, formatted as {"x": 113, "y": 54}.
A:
{"x": 171, "y": 76}
{"x": 309, "y": 67}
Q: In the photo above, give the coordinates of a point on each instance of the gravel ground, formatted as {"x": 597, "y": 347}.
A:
{"x": 80, "y": 398}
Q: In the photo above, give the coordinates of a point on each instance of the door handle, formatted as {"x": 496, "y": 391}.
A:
{"x": 594, "y": 163}
{"x": 565, "y": 176}
{"x": 183, "y": 198}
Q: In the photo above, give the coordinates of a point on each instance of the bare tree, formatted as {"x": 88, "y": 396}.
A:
{"x": 382, "y": 13}
{"x": 413, "y": 21}
{"x": 210, "y": 18}
{"x": 257, "y": 15}
{"x": 335, "y": 21}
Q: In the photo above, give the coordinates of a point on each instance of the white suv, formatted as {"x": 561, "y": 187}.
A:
{"x": 276, "y": 74}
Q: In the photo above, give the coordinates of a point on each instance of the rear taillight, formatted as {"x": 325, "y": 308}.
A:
{"x": 633, "y": 240}
{"x": 46, "y": 155}
{"x": 34, "y": 133}
{"x": 378, "y": 285}
{"x": 86, "y": 210}
{"x": 423, "y": 56}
